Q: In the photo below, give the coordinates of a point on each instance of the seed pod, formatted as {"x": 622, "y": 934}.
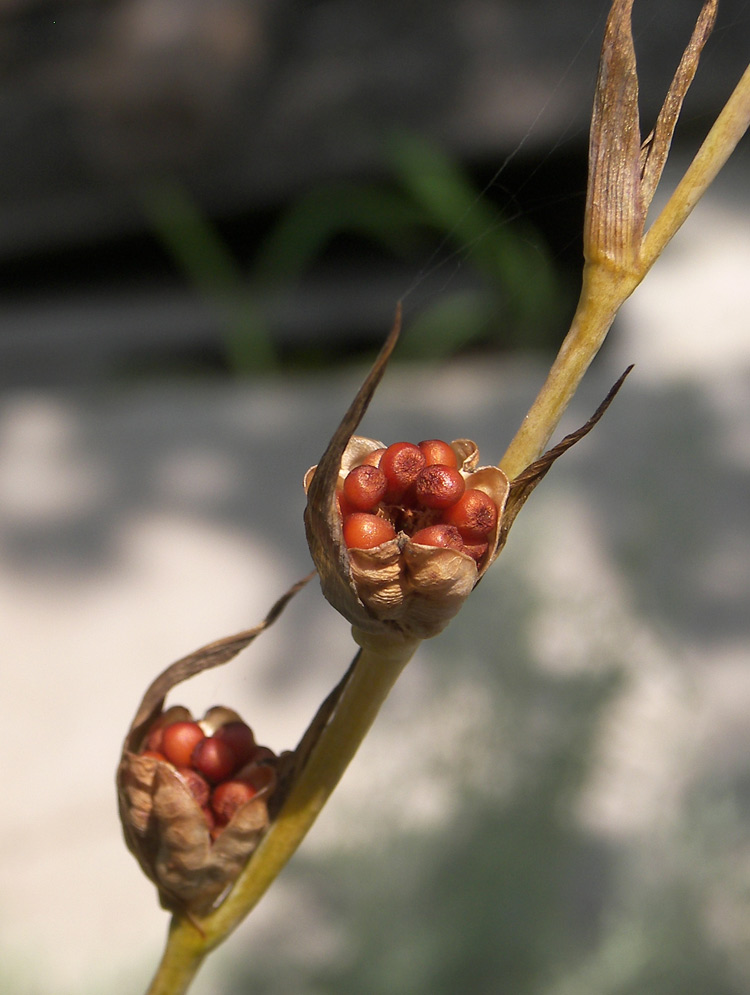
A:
{"x": 399, "y": 588}
{"x": 164, "y": 824}
{"x": 166, "y": 828}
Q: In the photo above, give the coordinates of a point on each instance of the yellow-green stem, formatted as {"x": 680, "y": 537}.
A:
{"x": 376, "y": 669}
{"x": 602, "y": 293}
{"x": 605, "y": 289}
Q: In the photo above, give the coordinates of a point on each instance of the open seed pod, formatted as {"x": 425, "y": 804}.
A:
{"x": 402, "y": 586}
{"x": 173, "y": 823}
{"x": 194, "y": 796}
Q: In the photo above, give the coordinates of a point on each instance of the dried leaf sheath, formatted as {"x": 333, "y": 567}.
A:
{"x": 623, "y": 172}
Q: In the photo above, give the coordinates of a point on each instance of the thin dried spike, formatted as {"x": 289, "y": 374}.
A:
{"x": 522, "y": 485}
{"x": 615, "y": 217}
{"x": 212, "y": 655}
{"x": 656, "y": 147}
{"x": 321, "y": 517}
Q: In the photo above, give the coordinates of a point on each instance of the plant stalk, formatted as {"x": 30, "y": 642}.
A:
{"x": 603, "y": 291}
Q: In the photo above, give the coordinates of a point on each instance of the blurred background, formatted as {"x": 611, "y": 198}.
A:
{"x": 208, "y": 211}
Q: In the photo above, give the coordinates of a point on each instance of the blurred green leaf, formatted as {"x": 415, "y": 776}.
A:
{"x": 451, "y": 323}
{"x": 381, "y": 214}
{"x": 199, "y": 250}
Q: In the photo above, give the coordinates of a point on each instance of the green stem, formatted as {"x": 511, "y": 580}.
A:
{"x": 183, "y": 956}
{"x": 376, "y": 669}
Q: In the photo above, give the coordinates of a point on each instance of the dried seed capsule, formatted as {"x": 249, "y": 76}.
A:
{"x": 395, "y": 586}
{"x": 364, "y": 487}
{"x": 437, "y": 451}
{"x": 363, "y": 531}
{"x": 169, "y": 824}
{"x": 474, "y": 515}
{"x": 439, "y": 486}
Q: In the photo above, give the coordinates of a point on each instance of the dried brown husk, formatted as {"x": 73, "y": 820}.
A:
{"x": 403, "y": 586}
{"x": 168, "y": 832}
{"x": 163, "y": 825}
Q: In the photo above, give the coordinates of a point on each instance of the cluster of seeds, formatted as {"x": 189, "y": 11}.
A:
{"x": 418, "y": 490}
{"x": 221, "y": 771}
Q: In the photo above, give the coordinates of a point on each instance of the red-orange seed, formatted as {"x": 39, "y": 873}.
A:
{"x": 363, "y": 531}
{"x": 439, "y": 535}
{"x": 437, "y": 451}
{"x": 179, "y": 741}
{"x": 365, "y": 487}
{"x": 155, "y": 738}
{"x": 155, "y": 755}
{"x": 439, "y": 486}
{"x": 215, "y": 759}
{"x": 401, "y": 463}
{"x": 474, "y": 515}
{"x": 239, "y": 736}
{"x": 476, "y": 550}
{"x": 229, "y": 796}
{"x": 344, "y": 507}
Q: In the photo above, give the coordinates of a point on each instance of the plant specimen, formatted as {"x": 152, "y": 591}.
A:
{"x": 400, "y": 534}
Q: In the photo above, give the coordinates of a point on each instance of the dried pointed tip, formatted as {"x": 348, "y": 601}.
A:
{"x": 623, "y": 172}
{"x": 522, "y": 485}
{"x": 656, "y": 149}
{"x": 322, "y": 522}
{"x": 615, "y": 217}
